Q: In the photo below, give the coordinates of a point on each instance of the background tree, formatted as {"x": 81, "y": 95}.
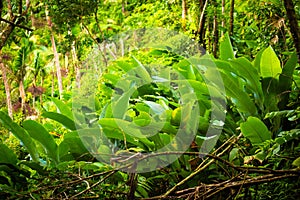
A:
{"x": 3, "y": 68}
{"x": 20, "y": 67}
{"x": 294, "y": 26}
{"x": 12, "y": 15}
{"x": 15, "y": 16}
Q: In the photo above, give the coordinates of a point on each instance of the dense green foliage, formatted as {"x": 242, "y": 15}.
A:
{"x": 145, "y": 113}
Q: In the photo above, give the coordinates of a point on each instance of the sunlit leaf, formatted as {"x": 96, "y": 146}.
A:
{"x": 255, "y": 130}
{"x": 63, "y": 108}
{"x": 270, "y": 64}
{"x": 296, "y": 162}
{"x": 64, "y": 120}
{"x": 39, "y": 133}
{"x": 226, "y": 50}
{"x": 20, "y": 133}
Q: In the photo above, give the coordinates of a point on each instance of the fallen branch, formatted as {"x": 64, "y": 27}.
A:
{"x": 205, "y": 191}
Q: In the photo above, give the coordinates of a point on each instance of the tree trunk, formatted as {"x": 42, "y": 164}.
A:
{"x": 75, "y": 63}
{"x": 41, "y": 96}
{"x": 66, "y": 69}
{"x": 22, "y": 95}
{"x": 294, "y": 28}
{"x": 216, "y": 32}
{"x": 52, "y": 84}
{"x": 200, "y": 30}
{"x": 7, "y": 89}
{"x": 58, "y": 69}
{"x": 231, "y": 20}
{"x": 123, "y": 6}
{"x": 208, "y": 35}
{"x": 56, "y": 57}
{"x": 223, "y": 18}
{"x": 183, "y": 16}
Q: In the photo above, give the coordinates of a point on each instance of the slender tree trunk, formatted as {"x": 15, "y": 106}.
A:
{"x": 183, "y": 16}
{"x": 52, "y": 84}
{"x": 200, "y": 30}
{"x": 208, "y": 35}
{"x": 7, "y": 89}
{"x": 56, "y": 57}
{"x": 231, "y": 20}
{"x": 22, "y": 95}
{"x": 216, "y": 32}
{"x": 41, "y": 96}
{"x": 123, "y": 6}
{"x": 294, "y": 28}
{"x": 223, "y": 18}
{"x": 58, "y": 69}
{"x": 33, "y": 95}
{"x": 66, "y": 67}
{"x": 75, "y": 62}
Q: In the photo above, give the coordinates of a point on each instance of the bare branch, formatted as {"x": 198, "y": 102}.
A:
{"x": 16, "y": 25}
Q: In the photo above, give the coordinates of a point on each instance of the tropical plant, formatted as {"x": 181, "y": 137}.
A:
{"x": 20, "y": 66}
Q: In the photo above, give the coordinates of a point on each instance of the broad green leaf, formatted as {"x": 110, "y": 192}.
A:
{"x": 156, "y": 108}
{"x": 111, "y": 77}
{"x": 63, "y": 108}
{"x": 124, "y": 65}
{"x": 255, "y": 130}
{"x": 246, "y": 70}
{"x": 199, "y": 87}
{"x": 226, "y": 51}
{"x": 127, "y": 130}
{"x": 104, "y": 152}
{"x": 39, "y": 133}
{"x": 7, "y": 155}
{"x": 240, "y": 98}
{"x": 120, "y": 106}
{"x": 141, "y": 71}
{"x": 65, "y": 121}
{"x": 256, "y": 62}
{"x": 117, "y": 134}
{"x": 296, "y": 162}
{"x": 286, "y": 79}
{"x": 127, "y": 127}
{"x": 182, "y": 68}
{"x": 72, "y": 143}
{"x": 143, "y": 119}
{"x": 270, "y": 64}
{"x": 63, "y": 152}
{"x": 191, "y": 73}
{"x": 165, "y": 138}
{"x": 21, "y": 134}
{"x": 271, "y": 98}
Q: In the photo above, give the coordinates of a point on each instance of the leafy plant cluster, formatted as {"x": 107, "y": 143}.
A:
{"x": 257, "y": 151}
{"x": 193, "y": 127}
